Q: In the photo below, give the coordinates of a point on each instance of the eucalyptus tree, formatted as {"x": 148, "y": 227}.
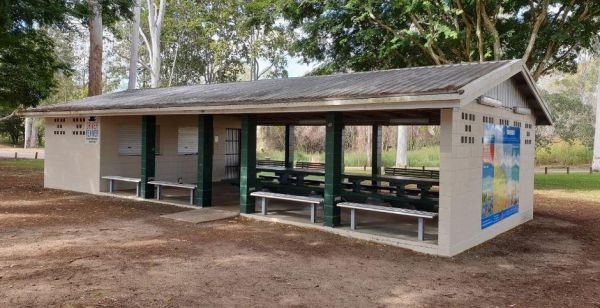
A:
{"x": 359, "y": 35}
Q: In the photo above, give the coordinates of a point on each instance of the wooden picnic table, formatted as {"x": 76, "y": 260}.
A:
{"x": 400, "y": 182}
{"x": 285, "y": 174}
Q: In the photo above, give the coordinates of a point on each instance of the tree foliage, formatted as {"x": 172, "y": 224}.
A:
{"x": 27, "y": 58}
{"x": 206, "y": 41}
{"x": 377, "y": 34}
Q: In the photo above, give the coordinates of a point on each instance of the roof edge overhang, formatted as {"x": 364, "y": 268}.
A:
{"x": 423, "y": 101}
{"x": 481, "y": 85}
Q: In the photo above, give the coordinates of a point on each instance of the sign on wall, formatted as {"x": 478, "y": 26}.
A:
{"x": 501, "y": 165}
{"x": 92, "y": 130}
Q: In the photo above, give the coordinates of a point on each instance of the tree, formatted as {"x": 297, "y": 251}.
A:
{"x": 596, "y": 155}
{"x": 353, "y": 35}
{"x": 155, "y": 24}
{"x": 135, "y": 42}
{"x": 96, "y": 15}
{"x": 377, "y": 34}
{"x": 207, "y": 41}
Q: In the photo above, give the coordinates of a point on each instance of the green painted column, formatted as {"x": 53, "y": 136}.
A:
{"x": 205, "y": 161}
{"x": 289, "y": 146}
{"x": 148, "y": 156}
{"x": 376, "y": 150}
{"x": 248, "y": 164}
{"x": 333, "y": 167}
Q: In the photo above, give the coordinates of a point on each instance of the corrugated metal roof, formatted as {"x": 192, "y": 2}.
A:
{"x": 425, "y": 80}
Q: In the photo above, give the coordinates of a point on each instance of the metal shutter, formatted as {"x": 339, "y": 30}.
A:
{"x": 130, "y": 140}
{"x": 187, "y": 140}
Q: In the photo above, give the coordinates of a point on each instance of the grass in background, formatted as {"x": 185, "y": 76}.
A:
{"x": 563, "y": 181}
{"x": 563, "y": 154}
{"x": 574, "y": 186}
{"x": 426, "y": 156}
{"x": 22, "y": 163}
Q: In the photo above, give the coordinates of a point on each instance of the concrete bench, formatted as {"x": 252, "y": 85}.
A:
{"x": 265, "y": 196}
{"x": 112, "y": 178}
{"x": 159, "y": 184}
{"x": 421, "y": 215}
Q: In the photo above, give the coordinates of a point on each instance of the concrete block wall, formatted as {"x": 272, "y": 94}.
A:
{"x": 461, "y": 177}
{"x": 70, "y": 163}
{"x": 170, "y": 166}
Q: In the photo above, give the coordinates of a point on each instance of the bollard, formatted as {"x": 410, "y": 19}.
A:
{"x": 423, "y": 168}
{"x": 545, "y": 170}
{"x": 36, "y": 155}
{"x": 567, "y": 170}
{"x": 15, "y": 155}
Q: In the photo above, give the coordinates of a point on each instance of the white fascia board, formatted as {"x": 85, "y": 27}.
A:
{"x": 432, "y": 101}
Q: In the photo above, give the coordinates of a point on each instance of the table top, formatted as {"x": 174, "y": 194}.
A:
{"x": 290, "y": 170}
{"x": 386, "y": 178}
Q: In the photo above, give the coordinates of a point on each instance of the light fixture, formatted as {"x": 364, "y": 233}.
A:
{"x": 488, "y": 101}
{"x": 522, "y": 110}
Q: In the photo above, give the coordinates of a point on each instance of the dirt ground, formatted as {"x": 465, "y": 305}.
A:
{"x": 67, "y": 249}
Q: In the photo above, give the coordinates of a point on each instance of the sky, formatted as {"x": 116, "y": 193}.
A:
{"x": 298, "y": 69}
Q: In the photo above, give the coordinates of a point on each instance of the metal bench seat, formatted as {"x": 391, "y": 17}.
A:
{"x": 112, "y": 178}
{"x": 265, "y": 196}
{"x": 421, "y": 215}
{"x": 159, "y": 184}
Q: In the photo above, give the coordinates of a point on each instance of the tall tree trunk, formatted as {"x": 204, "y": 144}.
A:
{"x": 135, "y": 42}
{"x": 155, "y": 22}
{"x": 28, "y": 129}
{"x": 95, "y": 59}
{"x": 596, "y": 157}
{"x": 402, "y": 147}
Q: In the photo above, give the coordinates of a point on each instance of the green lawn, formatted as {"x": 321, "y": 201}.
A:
{"x": 572, "y": 182}
{"x": 22, "y": 163}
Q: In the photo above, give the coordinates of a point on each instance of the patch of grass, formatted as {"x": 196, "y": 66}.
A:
{"x": 22, "y": 163}
{"x": 563, "y": 154}
{"x": 568, "y": 182}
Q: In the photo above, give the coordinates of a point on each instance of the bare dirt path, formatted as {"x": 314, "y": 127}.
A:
{"x": 68, "y": 249}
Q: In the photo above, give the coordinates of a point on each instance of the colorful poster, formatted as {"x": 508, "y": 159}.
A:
{"x": 92, "y": 130}
{"x": 501, "y": 164}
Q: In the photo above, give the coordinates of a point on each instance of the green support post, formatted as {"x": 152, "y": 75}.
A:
{"x": 248, "y": 164}
{"x": 333, "y": 167}
{"x": 289, "y": 146}
{"x": 205, "y": 161}
{"x": 376, "y": 149}
{"x": 148, "y": 156}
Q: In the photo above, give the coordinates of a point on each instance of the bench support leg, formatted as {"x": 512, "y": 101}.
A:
{"x": 192, "y": 196}
{"x": 137, "y": 189}
{"x": 421, "y": 229}
{"x": 157, "y": 192}
{"x": 353, "y": 219}
{"x": 264, "y": 202}
{"x": 111, "y": 186}
{"x": 313, "y": 213}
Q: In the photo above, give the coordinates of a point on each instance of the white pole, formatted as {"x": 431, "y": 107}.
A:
{"x": 402, "y": 147}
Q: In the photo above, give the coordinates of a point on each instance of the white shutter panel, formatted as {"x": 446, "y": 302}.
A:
{"x": 187, "y": 140}
{"x": 130, "y": 140}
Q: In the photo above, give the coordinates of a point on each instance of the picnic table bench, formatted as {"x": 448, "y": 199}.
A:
{"x": 310, "y": 165}
{"x": 112, "y": 178}
{"x": 421, "y": 173}
{"x": 421, "y": 215}
{"x": 269, "y": 162}
{"x": 159, "y": 184}
{"x": 265, "y": 196}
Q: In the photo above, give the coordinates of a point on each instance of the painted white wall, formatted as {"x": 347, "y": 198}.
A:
{"x": 70, "y": 164}
{"x": 170, "y": 166}
{"x": 461, "y": 178}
